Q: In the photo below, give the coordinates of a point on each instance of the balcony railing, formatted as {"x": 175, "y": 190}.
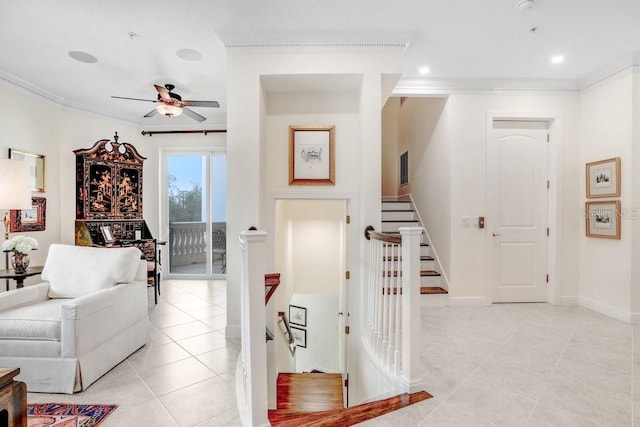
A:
{"x": 188, "y": 244}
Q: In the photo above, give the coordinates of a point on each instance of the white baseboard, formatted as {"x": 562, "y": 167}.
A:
{"x": 607, "y": 310}
{"x": 233, "y": 331}
{"x": 569, "y": 300}
{"x": 468, "y": 301}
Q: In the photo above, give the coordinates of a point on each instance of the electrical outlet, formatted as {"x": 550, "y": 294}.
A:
{"x": 475, "y": 222}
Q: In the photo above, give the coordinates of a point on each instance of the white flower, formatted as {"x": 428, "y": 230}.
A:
{"x": 20, "y": 244}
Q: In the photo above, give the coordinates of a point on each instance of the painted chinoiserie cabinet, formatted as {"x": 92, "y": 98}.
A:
{"x": 109, "y": 194}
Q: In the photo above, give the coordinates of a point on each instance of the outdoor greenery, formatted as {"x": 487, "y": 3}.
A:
{"x": 184, "y": 205}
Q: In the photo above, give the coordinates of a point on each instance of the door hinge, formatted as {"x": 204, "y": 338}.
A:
{"x": 346, "y": 330}
{"x": 346, "y": 382}
{"x": 347, "y": 275}
{"x": 547, "y": 278}
{"x": 548, "y": 184}
{"x": 547, "y": 231}
{"x": 547, "y": 137}
{"x": 348, "y": 219}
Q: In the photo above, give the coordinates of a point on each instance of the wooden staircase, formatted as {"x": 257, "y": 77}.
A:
{"x": 315, "y": 400}
{"x": 400, "y": 213}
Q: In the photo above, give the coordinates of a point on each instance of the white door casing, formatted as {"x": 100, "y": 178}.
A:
{"x": 517, "y": 210}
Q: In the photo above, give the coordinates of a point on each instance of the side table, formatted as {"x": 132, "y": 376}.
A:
{"x": 13, "y": 399}
{"x": 19, "y": 278}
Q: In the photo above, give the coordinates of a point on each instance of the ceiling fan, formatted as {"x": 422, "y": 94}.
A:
{"x": 171, "y": 104}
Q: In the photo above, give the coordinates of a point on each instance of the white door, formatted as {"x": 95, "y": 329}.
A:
{"x": 517, "y": 210}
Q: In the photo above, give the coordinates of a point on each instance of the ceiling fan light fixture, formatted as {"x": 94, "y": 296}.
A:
{"x": 169, "y": 110}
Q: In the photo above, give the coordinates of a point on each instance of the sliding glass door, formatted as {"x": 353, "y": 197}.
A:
{"x": 194, "y": 212}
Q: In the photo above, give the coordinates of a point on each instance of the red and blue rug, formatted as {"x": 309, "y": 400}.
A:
{"x": 66, "y": 415}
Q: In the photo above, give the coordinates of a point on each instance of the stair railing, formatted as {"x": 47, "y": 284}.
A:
{"x": 392, "y": 331}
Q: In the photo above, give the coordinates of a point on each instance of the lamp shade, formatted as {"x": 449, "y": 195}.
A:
{"x": 15, "y": 185}
{"x": 169, "y": 110}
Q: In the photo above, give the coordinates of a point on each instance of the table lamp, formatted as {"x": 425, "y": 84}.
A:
{"x": 15, "y": 191}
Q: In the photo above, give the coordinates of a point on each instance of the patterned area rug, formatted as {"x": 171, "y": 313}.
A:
{"x": 66, "y": 415}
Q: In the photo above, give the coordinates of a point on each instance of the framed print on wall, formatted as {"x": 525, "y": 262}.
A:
{"x": 299, "y": 336}
{"x": 603, "y": 219}
{"x": 37, "y": 168}
{"x": 297, "y": 315}
{"x": 311, "y": 155}
{"x": 603, "y": 178}
{"x": 33, "y": 219}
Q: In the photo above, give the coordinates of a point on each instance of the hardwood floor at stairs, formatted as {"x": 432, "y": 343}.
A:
{"x": 309, "y": 392}
{"x": 347, "y": 416}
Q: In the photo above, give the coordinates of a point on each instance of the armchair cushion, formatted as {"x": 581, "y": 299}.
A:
{"x": 39, "y": 321}
{"x": 75, "y": 271}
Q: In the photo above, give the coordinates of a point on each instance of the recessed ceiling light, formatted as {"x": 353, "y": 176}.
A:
{"x": 557, "y": 59}
{"x": 85, "y": 57}
{"x": 189, "y": 54}
{"x": 424, "y": 70}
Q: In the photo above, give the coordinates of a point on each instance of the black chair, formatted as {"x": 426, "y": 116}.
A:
{"x": 219, "y": 247}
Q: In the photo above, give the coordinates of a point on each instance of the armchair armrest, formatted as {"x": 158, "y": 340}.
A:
{"x": 92, "y": 319}
{"x": 24, "y": 296}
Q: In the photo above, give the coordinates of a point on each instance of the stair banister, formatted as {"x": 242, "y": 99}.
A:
{"x": 252, "y": 390}
{"x": 411, "y": 334}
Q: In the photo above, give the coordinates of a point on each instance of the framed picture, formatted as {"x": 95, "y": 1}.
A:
{"x": 404, "y": 168}
{"x": 299, "y": 336}
{"x": 311, "y": 155}
{"x": 603, "y": 219}
{"x": 37, "y": 168}
{"x": 297, "y": 315}
{"x": 603, "y": 178}
{"x": 33, "y": 219}
{"x": 107, "y": 234}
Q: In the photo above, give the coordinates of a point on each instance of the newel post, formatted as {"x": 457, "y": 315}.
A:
{"x": 411, "y": 237}
{"x": 253, "y": 323}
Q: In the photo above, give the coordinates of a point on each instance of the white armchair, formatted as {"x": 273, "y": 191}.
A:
{"x": 89, "y": 315}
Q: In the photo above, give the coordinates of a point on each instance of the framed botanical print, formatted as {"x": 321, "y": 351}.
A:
{"x": 603, "y": 178}
{"x": 603, "y": 219}
{"x": 311, "y": 155}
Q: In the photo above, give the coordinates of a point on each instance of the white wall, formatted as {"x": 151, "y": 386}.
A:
{"x": 390, "y": 159}
{"x": 30, "y": 124}
{"x": 447, "y": 167}
{"x": 606, "y": 128}
{"x": 258, "y": 136}
{"x": 423, "y": 129}
{"x": 322, "y": 333}
{"x": 36, "y": 125}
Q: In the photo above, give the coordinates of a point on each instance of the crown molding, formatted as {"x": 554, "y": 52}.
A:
{"x": 626, "y": 65}
{"x": 440, "y": 87}
{"x": 28, "y": 87}
{"x": 317, "y": 42}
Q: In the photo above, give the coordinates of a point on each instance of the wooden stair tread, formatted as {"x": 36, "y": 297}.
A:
{"x": 423, "y": 273}
{"x": 309, "y": 392}
{"x": 398, "y": 210}
{"x": 432, "y": 290}
{"x": 346, "y": 416}
{"x": 397, "y": 258}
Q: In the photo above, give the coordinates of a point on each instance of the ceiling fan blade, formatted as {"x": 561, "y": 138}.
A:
{"x": 151, "y": 113}
{"x": 164, "y": 93}
{"x": 193, "y": 114}
{"x": 133, "y": 99}
{"x": 212, "y": 104}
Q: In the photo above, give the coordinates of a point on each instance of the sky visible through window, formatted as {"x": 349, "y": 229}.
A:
{"x": 188, "y": 171}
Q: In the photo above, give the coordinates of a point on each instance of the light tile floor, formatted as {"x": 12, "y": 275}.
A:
{"x": 525, "y": 365}
{"x": 184, "y": 376}
{"x": 507, "y": 364}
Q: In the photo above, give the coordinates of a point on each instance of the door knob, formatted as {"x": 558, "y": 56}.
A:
{"x": 495, "y": 235}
